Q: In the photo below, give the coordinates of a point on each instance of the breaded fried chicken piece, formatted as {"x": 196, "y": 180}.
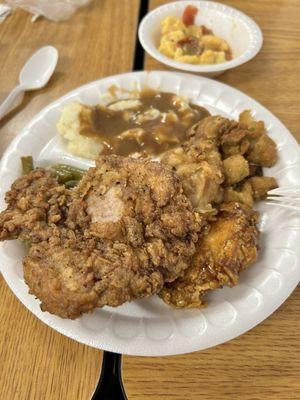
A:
{"x": 34, "y": 203}
{"x": 229, "y": 246}
{"x": 141, "y": 204}
{"x": 198, "y": 163}
{"x": 124, "y": 231}
{"x": 72, "y": 276}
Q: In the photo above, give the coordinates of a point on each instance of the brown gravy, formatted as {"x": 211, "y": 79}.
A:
{"x": 157, "y": 123}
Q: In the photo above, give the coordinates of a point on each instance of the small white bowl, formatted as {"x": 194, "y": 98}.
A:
{"x": 241, "y": 33}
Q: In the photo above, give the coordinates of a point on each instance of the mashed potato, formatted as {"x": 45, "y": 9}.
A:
{"x": 69, "y": 127}
{"x": 147, "y": 125}
{"x": 191, "y": 44}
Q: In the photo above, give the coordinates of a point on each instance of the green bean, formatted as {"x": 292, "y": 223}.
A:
{"x": 66, "y": 173}
{"x": 71, "y": 184}
{"x": 26, "y": 242}
{"x": 74, "y": 170}
{"x": 62, "y": 176}
{"x": 27, "y": 164}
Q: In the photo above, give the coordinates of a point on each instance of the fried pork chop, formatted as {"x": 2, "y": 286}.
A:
{"x": 124, "y": 231}
{"x": 228, "y": 247}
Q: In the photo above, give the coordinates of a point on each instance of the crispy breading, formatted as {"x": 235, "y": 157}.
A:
{"x": 228, "y": 247}
{"x": 125, "y": 230}
{"x": 261, "y": 185}
{"x": 236, "y": 168}
{"x": 242, "y": 194}
{"x": 72, "y": 276}
{"x": 35, "y": 202}
{"x": 249, "y": 138}
{"x": 198, "y": 162}
{"x": 263, "y": 151}
{"x": 154, "y": 216}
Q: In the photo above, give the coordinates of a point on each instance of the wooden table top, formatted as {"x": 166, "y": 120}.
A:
{"x": 38, "y": 363}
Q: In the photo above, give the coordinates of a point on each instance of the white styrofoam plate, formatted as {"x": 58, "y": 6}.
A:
{"x": 149, "y": 327}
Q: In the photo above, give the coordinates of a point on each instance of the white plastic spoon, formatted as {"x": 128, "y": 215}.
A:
{"x": 35, "y": 74}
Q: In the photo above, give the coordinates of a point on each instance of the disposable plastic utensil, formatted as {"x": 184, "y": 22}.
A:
{"x": 35, "y": 74}
{"x": 110, "y": 386}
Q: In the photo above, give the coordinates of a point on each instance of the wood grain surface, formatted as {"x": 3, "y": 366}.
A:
{"x": 39, "y": 364}
{"x": 98, "y": 41}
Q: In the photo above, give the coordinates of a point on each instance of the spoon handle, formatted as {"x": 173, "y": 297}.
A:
{"x": 110, "y": 386}
{"x": 12, "y": 100}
